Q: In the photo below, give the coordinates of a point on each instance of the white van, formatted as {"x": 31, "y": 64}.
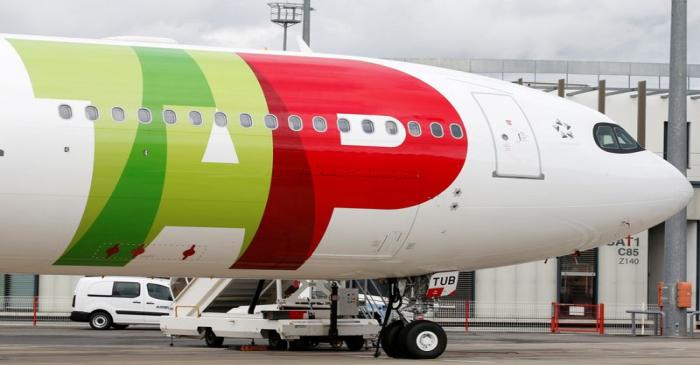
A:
{"x": 117, "y": 302}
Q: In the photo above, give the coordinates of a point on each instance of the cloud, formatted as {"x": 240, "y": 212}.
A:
{"x": 629, "y": 30}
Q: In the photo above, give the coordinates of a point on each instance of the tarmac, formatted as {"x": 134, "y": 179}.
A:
{"x": 81, "y": 345}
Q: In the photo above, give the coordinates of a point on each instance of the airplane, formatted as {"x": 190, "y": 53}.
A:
{"x": 125, "y": 157}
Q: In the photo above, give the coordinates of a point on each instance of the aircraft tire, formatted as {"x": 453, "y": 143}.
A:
{"x": 423, "y": 340}
{"x": 390, "y": 339}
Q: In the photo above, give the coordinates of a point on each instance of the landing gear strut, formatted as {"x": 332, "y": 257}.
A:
{"x": 415, "y": 340}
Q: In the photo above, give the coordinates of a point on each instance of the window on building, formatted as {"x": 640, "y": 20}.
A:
{"x": 118, "y": 114}
{"x": 156, "y": 291}
{"x": 92, "y": 113}
{"x": 220, "y": 119}
{"x": 126, "y": 289}
{"x": 344, "y": 125}
{"x": 391, "y": 127}
{"x": 65, "y": 111}
{"x": 456, "y": 131}
{"x": 246, "y": 120}
{"x": 578, "y": 282}
{"x": 436, "y": 130}
{"x": 195, "y": 118}
{"x": 319, "y": 124}
{"x": 18, "y": 285}
{"x": 144, "y": 115}
{"x": 368, "y": 126}
{"x": 295, "y": 123}
{"x": 687, "y": 139}
{"x": 169, "y": 116}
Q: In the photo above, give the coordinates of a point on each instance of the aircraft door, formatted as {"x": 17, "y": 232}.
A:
{"x": 515, "y": 143}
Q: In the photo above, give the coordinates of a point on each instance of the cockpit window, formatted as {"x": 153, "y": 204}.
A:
{"x": 613, "y": 138}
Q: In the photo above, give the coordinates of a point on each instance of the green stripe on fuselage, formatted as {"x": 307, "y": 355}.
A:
{"x": 149, "y": 176}
{"x": 204, "y": 194}
{"x": 170, "y": 77}
{"x": 105, "y": 76}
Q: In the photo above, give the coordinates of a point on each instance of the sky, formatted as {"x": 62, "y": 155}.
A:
{"x": 599, "y": 30}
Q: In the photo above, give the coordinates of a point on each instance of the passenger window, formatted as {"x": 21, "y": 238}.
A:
{"x": 320, "y": 124}
{"x": 246, "y": 120}
{"x": 118, "y": 114}
{"x": 195, "y": 118}
{"x": 144, "y": 115}
{"x": 170, "y": 117}
{"x": 160, "y": 292}
{"x": 295, "y": 123}
{"x": 391, "y": 127}
{"x": 414, "y": 129}
{"x": 456, "y": 131}
{"x": 368, "y": 126}
{"x": 344, "y": 125}
{"x": 436, "y": 130}
{"x": 65, "y": 111}
{"x": 91, "y": 113}
{"x": 271, "y": 121}
{"x": 125, "y": 289}
{"x": 220, "y": 119}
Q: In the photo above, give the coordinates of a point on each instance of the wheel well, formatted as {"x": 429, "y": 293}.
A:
{"x": 100, "y": 311}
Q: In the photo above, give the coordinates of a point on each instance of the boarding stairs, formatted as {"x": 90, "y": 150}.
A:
{"x": 213, "y": 295}
{"x": 219, "y": 295}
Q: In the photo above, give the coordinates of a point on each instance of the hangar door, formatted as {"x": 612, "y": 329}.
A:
{"x": 517, "y": 151}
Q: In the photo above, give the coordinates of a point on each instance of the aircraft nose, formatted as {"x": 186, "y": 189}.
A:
{"x": 668, "y": 190}
{"x": 680, "y": 190}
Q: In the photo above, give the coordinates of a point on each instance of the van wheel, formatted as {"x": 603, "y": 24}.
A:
{"x": 119, "y": 326}
{"x": 211, "y": 339}
{"x": 100, "y": 320}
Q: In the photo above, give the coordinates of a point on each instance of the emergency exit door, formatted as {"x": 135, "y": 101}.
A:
{"x": 515, "y": 144}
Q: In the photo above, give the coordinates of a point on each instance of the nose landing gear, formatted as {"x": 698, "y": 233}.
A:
{"x": 419, "y": 339}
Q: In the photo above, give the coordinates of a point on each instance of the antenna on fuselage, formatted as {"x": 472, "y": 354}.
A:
{"x": 303, "y": 46}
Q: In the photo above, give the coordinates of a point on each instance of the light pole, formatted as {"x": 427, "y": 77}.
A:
{"x": 307, "y": 22}
{"x": 675, "y": 229}
{"x": 285, "y": 15}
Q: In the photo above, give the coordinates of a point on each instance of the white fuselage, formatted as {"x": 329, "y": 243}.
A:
{"x": 525, "y": 191}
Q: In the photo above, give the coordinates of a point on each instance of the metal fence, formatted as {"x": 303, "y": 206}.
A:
{"x": 470, "y": 316}
{"x": 475, "y": 316}
{"x": 35, "y": 310}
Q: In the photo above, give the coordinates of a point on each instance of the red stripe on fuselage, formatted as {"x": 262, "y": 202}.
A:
{"x": 313, "y": 173}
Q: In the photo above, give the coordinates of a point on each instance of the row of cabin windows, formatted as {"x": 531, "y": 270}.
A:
{"x": 271, "y": 122}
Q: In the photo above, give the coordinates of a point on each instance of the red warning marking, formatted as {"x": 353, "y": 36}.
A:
{"x": 188, "y": 252}
{"x": 138, "y": 251}
{"x": 113, "y": 250}
{"x": 434, "y": 292}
